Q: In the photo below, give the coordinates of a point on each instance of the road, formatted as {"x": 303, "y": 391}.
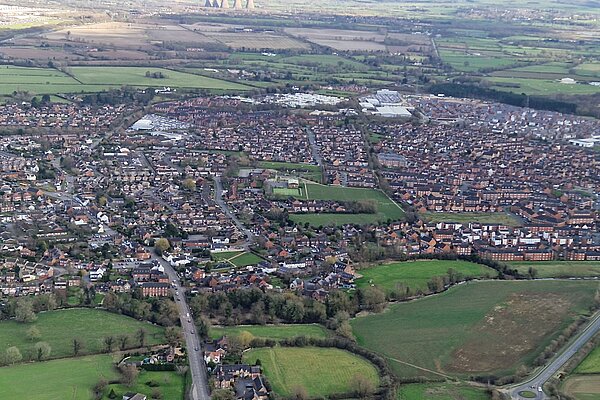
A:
{"x": 219, "y": 200}
{"x": 543, "y": 375}
{"x": 199, "y": 389}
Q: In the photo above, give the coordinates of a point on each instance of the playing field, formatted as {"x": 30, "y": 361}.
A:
{"x": 58, "y": 328}
{"x": 475, "y": 328}
{"x": 65, "y": 379}
{"x": 245, "y": 259}
{"x": 558, "y": 269}
{"x": 465, "y": 218}
{"x": 416, "y": 274}
{"x": 321, "y": 371}
{"x": 440, "y": 391}
{"x": 271, "y": 331}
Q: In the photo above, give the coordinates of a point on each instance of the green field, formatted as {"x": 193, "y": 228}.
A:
{"x": 440, "y": 391}
{"x": 386, "y": 208}
{"x": 65, "y": 379}
{"x": 558, "y": 269}
{"x": 307, "y": 171}
{"x": 94, "y": 79}
{"x": 58, "y": 328}
{"x": 271, "y": 331}
{"x": 416, "y": 274}
{"x": 465, "y": 218}
{"x": 245, "y": 259}
{"x": 224, "y": 255}
{"x": 321, "y": 371}
{"x": 591, "y": 364}
{"x": 474, "y": 328}
{"x": 170, "y": 384}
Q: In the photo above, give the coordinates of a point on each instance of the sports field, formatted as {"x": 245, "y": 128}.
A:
{"x": 271, "y": 331}
{"x": 59, "y": 328}
{"x": 475, "y": 328}
{"x": 65, "y": 379}
{"x": 465, "y": 218}
{"x": 321, "y": 371}
{"x": 416, "y": 274}
{"x": 440, "y": 391}
{"x": 558, "y": 269}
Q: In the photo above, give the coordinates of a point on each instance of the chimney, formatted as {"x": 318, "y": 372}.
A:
{"x": 250, "y": 5}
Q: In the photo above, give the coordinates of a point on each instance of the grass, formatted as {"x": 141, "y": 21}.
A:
{"x": 245, "y": 259}
{"x": 465, "y": 218}
{"x": 321, "y": 371}
{"x": 307, "y": 171}
{"x": 591, "y": 364}
{"x": 416, "y": 274}
{"x": 559, "y": 269}
{"x": 170, "y": 384}
{"x": 440, "y": 391}
{"x": 386, "y": 208}
{"x": 475, "y": 328}
{"x": 271, "y": 331}
{"x": 224, "y": 255}
{"x": 68, "y": 379}
{"x": 58, "y": 328}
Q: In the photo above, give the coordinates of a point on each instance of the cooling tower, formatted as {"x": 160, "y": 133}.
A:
{"x": 250, "y": 5}
{"x": 224, "y": 4}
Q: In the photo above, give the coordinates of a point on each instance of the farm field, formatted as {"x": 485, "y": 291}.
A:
{"x": 440, "y": 391}
{"x": 311, "y": 368}
{"x": 170, "y": 385}
{"x": 591, "y": 364}
{"x": 465, "y": 218}
{"x": 386, "y": 208}
{"x": 58, "y": 328}
{"x": 475, "y": 328}
{"x": 582, "y": 387}
{"x": 558, "y": 269}
{"x": 271, "y": 331}
{"x": 416, "y": 274}
{"x": 69, "y": 378}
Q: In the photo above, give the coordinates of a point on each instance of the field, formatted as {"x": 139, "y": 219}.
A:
{"x": 416, "y": 274}
{"x": 582, "y": 387}
{"x": 58, "y": 328}
{"x": 170, "y": 384}
{"x": 440, "y": 391}
{"x": 591, "y": 364}
{"x": 306, "y": 171}
{"x": 65, "y": 379}
{"x": 271, "y": 331}
{"x": 237, "y": 258}
{"x": 559, "y": 269}
{"x": 465, "y": 218}
{"x": 386, "y": 208}
{"x": 321, "y": 371}
{"x": 475, "y": 328}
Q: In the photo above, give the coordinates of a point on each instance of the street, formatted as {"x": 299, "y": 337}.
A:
{"x": 219, "y": 200}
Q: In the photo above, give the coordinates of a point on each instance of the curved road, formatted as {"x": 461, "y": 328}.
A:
{"x": 199, "y": 389}
{"x": 537, "y": 382}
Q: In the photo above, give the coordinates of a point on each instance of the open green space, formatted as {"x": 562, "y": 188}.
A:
{"x": 224, "y": 255}
{"x": 487, "y": 327}
{"x": 416, "y": 274}
{"x": 440, "y": 391}
{"x": 271, "y": 331}
{"x": 321, "y": 371}
{"x": 465, "y": 218}
{"x": 591, "y": 364}
{"x": 245, "y": 259}
{"x": 59, "y": 328}
{"x": 558, "y": 269}
{"x": 307, "y": 171}
{"x": 169, "y": 384}
{"x": 65, "y": 379}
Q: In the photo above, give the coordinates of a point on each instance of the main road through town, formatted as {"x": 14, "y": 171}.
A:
{"x": 199, "y": 389}
{"x": 537, "y": 382}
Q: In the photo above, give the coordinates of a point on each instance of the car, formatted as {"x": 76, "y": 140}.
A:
{"x": 192, "y": 331}
{"x": 539, "y": 388}
{"x": 196, "y": 348}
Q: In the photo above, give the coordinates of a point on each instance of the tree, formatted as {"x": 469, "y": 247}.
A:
{"x": 532, "y": 272}
{"x": 362, "y": 386}
{"x": 42, "y": 351}
{"x": 223, "y": 394}
{"x": 373, "y": 299}
{"x": 77, "y": 346}
{"x": 173, "y": 335}
{"x": 109, "y": 341}
{"x": 161, "y": 245}
{"x": 129, "y": 374}
{"x": 299, "y": 393}
{"x": 99, "y": 388}
{"x": 156, "y": 393}
{"x": 33, "y": 333}
{"x": 141, "y": 337}
{"x": 189, "y": 184}
{"x": 24, "y": 311}
{"x": 13, "y": 355}
{"x": 245, "y": 338}
{"x": 123, "y": 341}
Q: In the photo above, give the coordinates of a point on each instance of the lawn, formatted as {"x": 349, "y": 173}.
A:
{"x": 591, "y": 364}
{"x": 465, "y": 218}
{"x": 65, "y": 379}
{"x": 170, "y": 384}
{"x": 307, "y": 171}
{"x": 245, "y": 259}
{"x": 559, "y": 269}
{"x": 321, "y": 371}
{"x": 58, "y": 328}
{"x": 475, "y": 328}
{"x": 416, "y": 274}
{"x": 224, "y": 255}
{"x": 386, "y": 208}
{"x": 271, "y": 331}
{"x": 440, "y": 391}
